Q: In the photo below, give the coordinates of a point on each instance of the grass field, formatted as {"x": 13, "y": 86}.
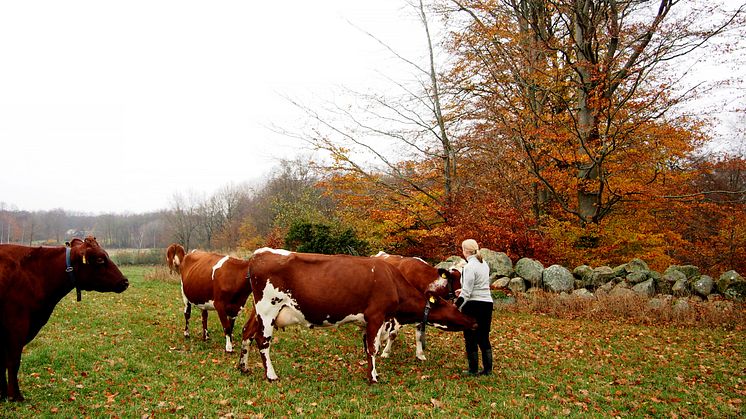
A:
{"x": 123, "y": 355}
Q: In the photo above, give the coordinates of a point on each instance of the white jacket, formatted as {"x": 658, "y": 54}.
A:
{"x": 475, "y": 281}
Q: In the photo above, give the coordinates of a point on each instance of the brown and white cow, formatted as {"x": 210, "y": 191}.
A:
{"x": 32, "y": 281}
{"x": 322, "y": 290}
{"x": 217, "y": 282}
{"x": 174, "y": 255}
{"x": 427, "y": 279}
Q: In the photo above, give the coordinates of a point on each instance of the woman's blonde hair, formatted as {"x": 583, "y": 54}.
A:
{"x": 471, "y": 246}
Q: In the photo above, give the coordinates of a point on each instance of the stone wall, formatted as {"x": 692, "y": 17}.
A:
{"x": 633, "y": 277}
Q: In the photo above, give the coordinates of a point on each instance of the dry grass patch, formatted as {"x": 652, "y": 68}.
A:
{"x": 633, "y": 309}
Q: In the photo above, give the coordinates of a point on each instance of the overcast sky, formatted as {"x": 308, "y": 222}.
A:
{"x": 115, "y": 106}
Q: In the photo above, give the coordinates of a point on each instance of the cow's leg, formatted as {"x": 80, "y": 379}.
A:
{"x": 187, "y": 315}
{"x": 373, "y": 331}
{"x": 205, "y": 335}
{"x": 263, "y": 342}
{"x": 12, "y": 362}
{"x": 3, "y": 370}
{"x": 248, "y": 334}
{"x": 419, "y": 352}
{"x": 388, "y": 335}
{"x": 227, "y": 323}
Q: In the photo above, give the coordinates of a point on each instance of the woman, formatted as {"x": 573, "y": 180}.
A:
{"x": 475, "y": 300}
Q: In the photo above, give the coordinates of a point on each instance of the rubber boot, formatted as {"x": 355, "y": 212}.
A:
{"x": 487, "y": 362}
{"x": 473, "y": 358}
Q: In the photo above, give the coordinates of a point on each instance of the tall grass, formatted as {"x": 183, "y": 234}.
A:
{"x": 124, "y": 355}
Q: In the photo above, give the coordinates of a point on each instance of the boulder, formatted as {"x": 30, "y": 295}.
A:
{"x": 601, "y": 275}
{"x": 680, "y": 288}
{"x": 703, "y": 286}
{"x": 637, "y": 265}
{"x": 557, "y": 278}
{"x": 645, "y": 289}
{"x": 636, "y": 277}
{"x": 530, "y": 270}
{"x": 517, "y": 285}
{"x": 499, "y": 262}
{"x": 668, "y": 279}
{"x": 690, "y": 271}
{"x": 451, "y": 262}
{"x": 583, "y": 274}
{"x": 500, "y": 283}
{"x": 732, "y": 285}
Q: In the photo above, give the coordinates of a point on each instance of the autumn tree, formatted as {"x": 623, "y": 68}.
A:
{"x": 579, "y": 90}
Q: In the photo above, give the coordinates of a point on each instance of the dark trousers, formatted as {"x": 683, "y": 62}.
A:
{"x": 481, "y": 311}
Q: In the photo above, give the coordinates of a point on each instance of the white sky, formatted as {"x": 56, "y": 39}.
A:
{"x": 115, "y": 106}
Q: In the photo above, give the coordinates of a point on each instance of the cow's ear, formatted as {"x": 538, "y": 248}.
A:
{"x": 443, "y": 273}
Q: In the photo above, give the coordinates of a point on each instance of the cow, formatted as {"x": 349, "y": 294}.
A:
{"x": 217, "y": 282}
{"x": 427, "y": 279}
{"x": 174, "y": 255}
{"x": 330, "y": 290}
{"x": 32, "y": 281}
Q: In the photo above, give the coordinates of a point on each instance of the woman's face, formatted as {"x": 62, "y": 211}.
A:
{"x": 466, "y": 254}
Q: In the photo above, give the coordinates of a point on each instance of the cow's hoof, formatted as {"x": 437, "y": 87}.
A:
{"x": 421, "y": 357}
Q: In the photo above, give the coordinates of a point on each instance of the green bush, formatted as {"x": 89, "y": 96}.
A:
{"x": 321, "y": 238}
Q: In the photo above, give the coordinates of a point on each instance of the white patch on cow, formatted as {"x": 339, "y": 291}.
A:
{"x": 218, "y": 265}
{"x": 281, "y": 252}
{"x": 273, "y": 302}
{"x": 210, "y": 305}
{"x": 439, "y": 326}
{"x": 381, "y": 254}
{"x": 439, "y": 283}
{"x": 270, "y": 369}
{"x": 228, "y": 344}
{"x": 421, "y": 260}
{"x": 177, "y": 261}
{"x": 184, "y": 298}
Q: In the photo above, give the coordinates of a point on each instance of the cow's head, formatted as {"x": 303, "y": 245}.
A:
{"x": 447, "y": 283}
{"x": 445, "y": 316}
{"x": 93, "y": 269}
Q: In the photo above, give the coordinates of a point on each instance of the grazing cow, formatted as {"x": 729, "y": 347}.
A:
{"x": 32, "y": 281}
{"x": 427, "y": 279}
{"x": 214, "y": 282}
{"x": 174, "y": 255}
{"x": 323, "y": 290}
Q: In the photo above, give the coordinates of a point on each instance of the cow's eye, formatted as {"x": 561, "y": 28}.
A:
{"x": 100, "y": 261}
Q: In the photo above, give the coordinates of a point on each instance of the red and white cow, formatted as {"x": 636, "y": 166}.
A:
{"x": 32, "y": 281}
{"x": 428, "y": 280}
{"x": 174, "y": 255}
{"x": 217, "y": 282}
{"x": 322, "y": 290}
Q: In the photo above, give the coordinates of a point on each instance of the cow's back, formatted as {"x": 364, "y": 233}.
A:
{"x": 327, "y": 288}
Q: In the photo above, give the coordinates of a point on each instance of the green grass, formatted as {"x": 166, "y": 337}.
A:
{"x": 124, "y": 355}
